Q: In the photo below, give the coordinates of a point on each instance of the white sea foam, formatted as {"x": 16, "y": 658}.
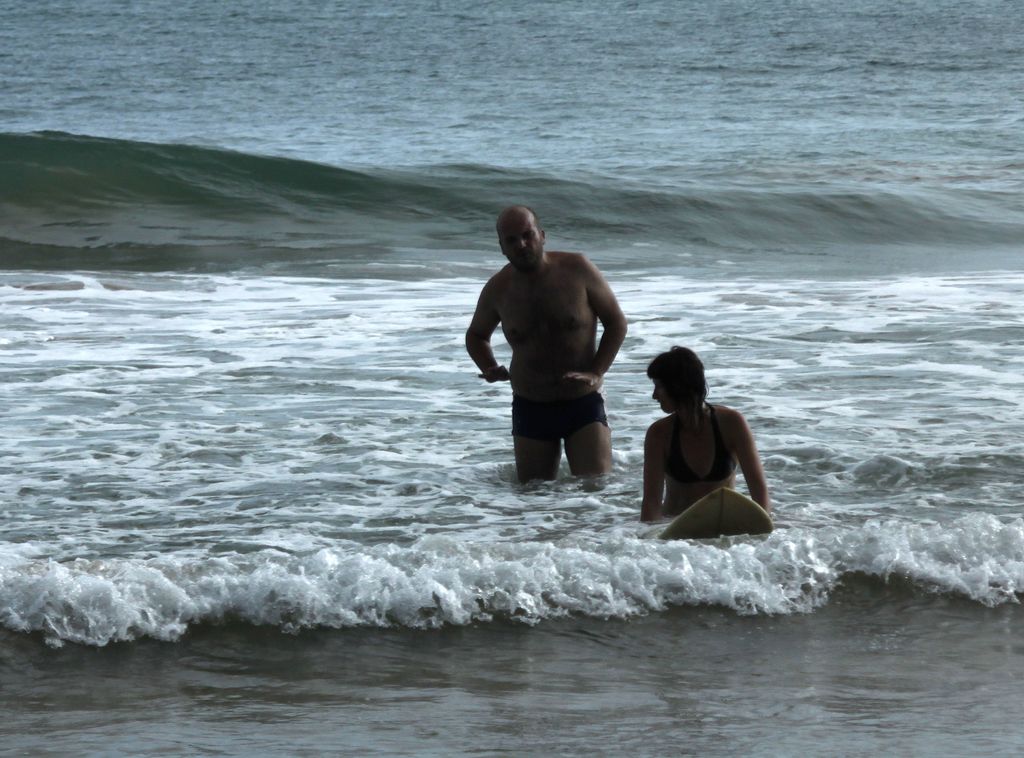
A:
{"x": 441, "y": 580}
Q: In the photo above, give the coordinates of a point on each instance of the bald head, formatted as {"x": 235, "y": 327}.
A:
{"x": 520, "y": 237}
{"x": 517, "y": 212}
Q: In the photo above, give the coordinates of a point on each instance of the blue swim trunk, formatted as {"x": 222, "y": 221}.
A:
{"x": 558, "y": 419}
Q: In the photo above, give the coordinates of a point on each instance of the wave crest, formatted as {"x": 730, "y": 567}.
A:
{"x": 444, "y": 581}
{"x": 77, "y": 200}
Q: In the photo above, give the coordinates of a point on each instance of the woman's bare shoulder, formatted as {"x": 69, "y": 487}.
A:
{"x": 660, "y": 429}
{"x": 731, "y": 420}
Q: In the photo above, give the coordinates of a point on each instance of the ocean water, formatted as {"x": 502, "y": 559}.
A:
{"x": 253, "y": 496}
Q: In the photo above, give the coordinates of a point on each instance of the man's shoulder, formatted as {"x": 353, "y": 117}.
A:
{"x": 499, "y": 278}
{"x": 575, "y": 264}
{"x": 565, "y": 258}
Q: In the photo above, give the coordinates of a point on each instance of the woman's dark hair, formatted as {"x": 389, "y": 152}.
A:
{"x": 681, "y": 373}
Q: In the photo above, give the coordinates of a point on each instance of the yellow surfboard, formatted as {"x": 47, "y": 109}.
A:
{"x": 722, "y": 512}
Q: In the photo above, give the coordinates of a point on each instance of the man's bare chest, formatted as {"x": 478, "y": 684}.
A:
{"x": 545, "y": 312}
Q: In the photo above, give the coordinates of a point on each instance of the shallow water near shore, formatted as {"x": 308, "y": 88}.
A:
{"x": 881, "y": 668}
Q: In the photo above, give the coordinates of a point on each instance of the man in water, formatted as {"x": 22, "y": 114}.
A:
{"x": 548, "y": 305}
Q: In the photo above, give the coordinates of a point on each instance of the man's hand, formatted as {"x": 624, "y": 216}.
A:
{"x": 495, "y": 374}
{"x": 586, "y": 378}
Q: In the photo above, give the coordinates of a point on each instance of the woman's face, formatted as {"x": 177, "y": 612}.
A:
{"x": 664, "y": 399}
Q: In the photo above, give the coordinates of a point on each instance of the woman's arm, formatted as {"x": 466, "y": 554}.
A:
{"x": 741, "y": 443}
{"x": 654, "y": 474}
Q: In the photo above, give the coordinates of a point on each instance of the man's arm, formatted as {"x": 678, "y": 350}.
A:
{"x": 613, "y": 324}
{"x": 613, "y": 321}
{"x": 478, "y": 336}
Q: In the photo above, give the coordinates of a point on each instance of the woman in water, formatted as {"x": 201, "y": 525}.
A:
{"x": 694, "y": 450}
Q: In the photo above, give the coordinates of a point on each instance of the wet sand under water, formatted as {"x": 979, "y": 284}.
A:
{"x": 881, "y": 667}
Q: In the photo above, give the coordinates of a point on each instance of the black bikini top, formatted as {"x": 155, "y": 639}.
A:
{"x": 721, "y": 468}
